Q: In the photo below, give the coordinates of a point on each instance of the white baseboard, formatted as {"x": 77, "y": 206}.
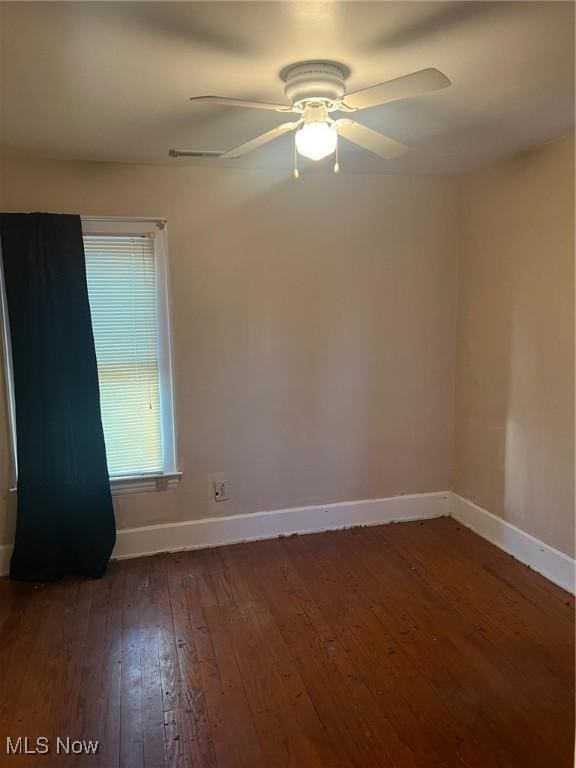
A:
{"x": 217, "y": 531}
{"x": 551, "y": 563}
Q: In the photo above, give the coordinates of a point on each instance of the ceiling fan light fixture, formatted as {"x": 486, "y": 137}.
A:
{"x": 316, "y": 89}
{"x": 316, "y": 139}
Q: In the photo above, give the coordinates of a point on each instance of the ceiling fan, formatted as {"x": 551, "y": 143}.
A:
{"x": 315, "y": 90}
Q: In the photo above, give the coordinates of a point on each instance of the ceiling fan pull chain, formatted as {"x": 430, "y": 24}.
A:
{"x": 295, "y": 173}
{"x": 337, "y": 163}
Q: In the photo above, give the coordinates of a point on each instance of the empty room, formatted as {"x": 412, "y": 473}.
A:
{"x": 287, "y": 384}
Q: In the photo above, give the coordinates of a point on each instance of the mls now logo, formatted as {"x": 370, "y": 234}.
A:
{"x": 41, "y": 746}
{"x": 68, "y": 746}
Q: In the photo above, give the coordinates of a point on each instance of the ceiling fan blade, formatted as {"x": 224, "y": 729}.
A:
{"x": 371, "y": 140}
{"x": 401, "y": 88}
{"x": 264, "y": 138}
{"x": 226, "y": 102}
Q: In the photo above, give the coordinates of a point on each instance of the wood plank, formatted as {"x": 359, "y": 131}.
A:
{"x": 100, "y": 685}
{"x": 191, "y": 726}
{"x": 509, "y": 623}
{"x": 42, "y": 703}
{"x": 430, "y": 624}
{"x": 415, "y": 645}
{"x": 154, "y": 740}
{"x": 20, "y": 637}
{"x": 528, "y": 584}
{"x": 131, "y": 721}
{"x": 288, "y": 726}
{"x": 74, "y": 625}
{"x": 302, "y": 618}
{"x": 199, "y": 599}
{"x": 378, "y": 653}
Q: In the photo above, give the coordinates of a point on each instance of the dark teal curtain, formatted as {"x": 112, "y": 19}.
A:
{"x": 65, "y": 519}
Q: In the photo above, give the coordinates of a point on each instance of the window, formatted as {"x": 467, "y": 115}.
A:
{"x": 126, "y": 276}
{"x": 127, "y": 290}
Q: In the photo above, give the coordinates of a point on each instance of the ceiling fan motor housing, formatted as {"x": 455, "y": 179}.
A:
{"x": 315, "y": 80}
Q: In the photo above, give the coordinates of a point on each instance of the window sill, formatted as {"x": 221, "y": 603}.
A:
{"x": 145, "y": 483}
{"x": 141, "y": 483}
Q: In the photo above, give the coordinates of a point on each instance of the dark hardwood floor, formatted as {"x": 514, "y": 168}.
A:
{"x": 414, "y": 645}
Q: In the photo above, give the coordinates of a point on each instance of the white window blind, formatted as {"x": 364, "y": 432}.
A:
{"x": 121, "y": 275}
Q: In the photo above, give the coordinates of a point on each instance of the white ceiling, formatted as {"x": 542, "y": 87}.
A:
{"x": 111, "y": 80}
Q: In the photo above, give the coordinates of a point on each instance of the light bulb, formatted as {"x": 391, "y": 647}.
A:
{"x": 316, "y": 140}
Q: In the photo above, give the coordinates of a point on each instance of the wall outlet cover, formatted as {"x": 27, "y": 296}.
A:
{"x": 220, "y": 490}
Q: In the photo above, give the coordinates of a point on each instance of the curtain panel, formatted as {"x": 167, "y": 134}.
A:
{"x": 65, "y": 518}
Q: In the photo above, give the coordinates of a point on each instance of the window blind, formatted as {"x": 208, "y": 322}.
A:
{"x": 121, "y": 276}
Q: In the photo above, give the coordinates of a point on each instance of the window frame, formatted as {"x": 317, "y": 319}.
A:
{"x": 169, "y": 477}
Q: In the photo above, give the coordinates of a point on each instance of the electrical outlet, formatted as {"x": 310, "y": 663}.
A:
{"x": 220, "y": 490}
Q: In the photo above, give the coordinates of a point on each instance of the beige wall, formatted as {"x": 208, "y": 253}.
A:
{"x": 515, "y": 373}
{"x": 315, "y": 333}
{"x": 313, "y": 325}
